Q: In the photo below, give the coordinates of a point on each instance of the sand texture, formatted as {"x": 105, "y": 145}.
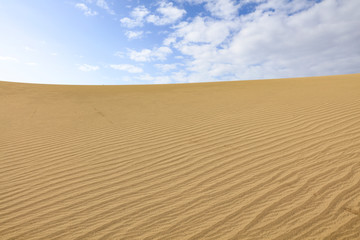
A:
{"x": 269, "y": 159}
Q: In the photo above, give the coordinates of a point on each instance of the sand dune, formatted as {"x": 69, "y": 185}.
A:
{"x": 271, "y": 159}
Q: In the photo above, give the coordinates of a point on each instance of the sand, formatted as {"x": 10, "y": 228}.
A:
{"x": 268, "y": 159}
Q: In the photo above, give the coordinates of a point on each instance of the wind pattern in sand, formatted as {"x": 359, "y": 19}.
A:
{"x": 272, "y": 159}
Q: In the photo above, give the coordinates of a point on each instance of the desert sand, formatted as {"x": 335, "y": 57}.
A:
{"x": 266, "y": 159}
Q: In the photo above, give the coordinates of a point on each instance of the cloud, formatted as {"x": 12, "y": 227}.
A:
{"x": 100, "y": 3}
{"x": 12, "y": 59}
{"x": 279, "y": 38}
{"x": 88, "y": 68}
{"x": 169, "y": 40}
{"x": 223, "y": 9}
{"x": 103, "y": 4}
{"x": 32, "y": 64}
{"x": 202, "y": 30}
{"x": 138, "y": 15}
{"x": 127, "y": 67}
{"x": 147, "y": 55}
{"x": 226, "y": 9}
{"x": 168, "y": 14}
{"x": 29, "y": 49}
{"x": 134, "y": 34}
{"x": 154, "y": 79}
{"x": 166, "y": 67}
{"x": 119, "y": 54}
{"x": 86, "y": 10}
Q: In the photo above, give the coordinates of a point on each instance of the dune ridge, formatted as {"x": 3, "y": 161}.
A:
{"x": 267, "y": 159}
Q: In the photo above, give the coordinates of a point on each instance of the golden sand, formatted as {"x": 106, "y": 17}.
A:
{"x": 269, "y": 159}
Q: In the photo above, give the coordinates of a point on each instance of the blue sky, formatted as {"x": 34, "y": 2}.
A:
{"x": 146, "y": 42}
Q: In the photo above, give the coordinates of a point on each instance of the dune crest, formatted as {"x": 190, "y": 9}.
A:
{"x": 270, "y": 159}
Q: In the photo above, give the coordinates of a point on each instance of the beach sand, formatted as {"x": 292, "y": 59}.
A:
{"x": 265, "y": 159}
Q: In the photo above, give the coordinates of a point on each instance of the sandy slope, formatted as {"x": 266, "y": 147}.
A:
{"x": 273, "y": 159}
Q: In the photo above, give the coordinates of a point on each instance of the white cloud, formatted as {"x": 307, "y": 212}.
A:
{"x": 203, "y": 30}
{"x": 119, "y": 54}
{"x": 139, "y": 12}
{"x": 138, "y": 15}
{"x": 32, "y": 64}
{"x": 169, "y": 40}
{"x": 29, "y": 49}
{"x": 166, "y": 67}
{"x": 130, "y": 23}
{"x": 154, "y": 79}
{"x": 127, "y": 67}
{"x": 279, "y": 39}
{"x": 86, "y": 10}
{"x": 147, "y": 55}
{"x": 134, "y": 34}
{"x": 88, "y": 68}
{"x": 168, "y": 14}
{"x": 12, "y": 59}
{"x": 224, "y": 9}
{"x": 142, "y": 56}
{"x": 100, "y": 3}
{"x": 103, "y": 4}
